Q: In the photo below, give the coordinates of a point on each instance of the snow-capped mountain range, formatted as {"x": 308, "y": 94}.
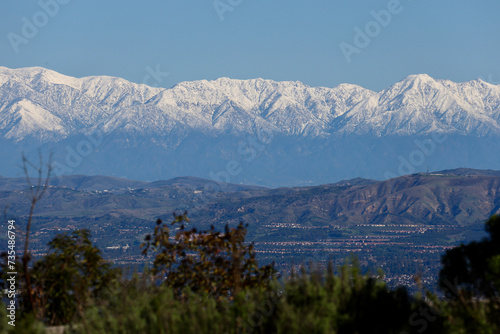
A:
{"x": 199, "y": 128}
{"x": 41, "y": 104}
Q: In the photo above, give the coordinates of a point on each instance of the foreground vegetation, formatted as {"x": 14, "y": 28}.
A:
{"x": 210, "y": 282}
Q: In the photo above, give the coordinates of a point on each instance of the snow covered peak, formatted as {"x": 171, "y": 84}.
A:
{"x": 419, "y": 78}
{"x": 23, "y": 118}
{"x": 40, "y": 103}
{"x": 39, "y": 75}
{"x": 413, "y": 84}
{"x": 421, "y": 104}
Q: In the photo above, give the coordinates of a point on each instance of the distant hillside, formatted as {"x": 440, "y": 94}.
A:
{"x": 100, "y": 183}
{"x": 355, "y": 182}
{"x": 402, "y": 225}
{"x": 470, "y": 171}
{"x": 414, "y": 199}
{"x": 76, "y": 182}
{"x": 461, "y": 196}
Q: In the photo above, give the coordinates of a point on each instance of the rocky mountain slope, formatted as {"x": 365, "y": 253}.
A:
{"x": 46, "y": 105}
{"x": 279, "y": 133}
{"x": 454, "y": 198}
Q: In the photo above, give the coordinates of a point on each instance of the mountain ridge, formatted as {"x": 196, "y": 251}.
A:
{"x": 418, "y": 104}
{"x": 462, "y": 196}
{"x": 275, "y": 133}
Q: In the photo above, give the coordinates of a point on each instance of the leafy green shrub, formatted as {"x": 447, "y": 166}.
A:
{"x": 140, "y": 308}
{"x": 315, "y": 303}
{"x": 23, "y": 324}
{"x": 70, "y": 274}
{"x": 471, "y": 278}
{"x": 347, "y": 303}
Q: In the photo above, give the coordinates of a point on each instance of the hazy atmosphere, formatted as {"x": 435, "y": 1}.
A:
{"x": 237, "y": 166}
{"x": 279, "y": 40}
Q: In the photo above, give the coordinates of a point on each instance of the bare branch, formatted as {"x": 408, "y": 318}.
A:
{"x": 35, "y": 196}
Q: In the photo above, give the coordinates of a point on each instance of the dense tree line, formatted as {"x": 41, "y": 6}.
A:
{"x": 210, "y": 282}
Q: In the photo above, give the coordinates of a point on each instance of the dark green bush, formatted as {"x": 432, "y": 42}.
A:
{"x": 140, "y": 308}
{"x": 315, "y": 303}
{"x": 210, "y": 282}
{"x": 470, "y": 278}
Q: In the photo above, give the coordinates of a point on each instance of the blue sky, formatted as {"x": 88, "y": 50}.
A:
{"x": 273, "y": 39}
